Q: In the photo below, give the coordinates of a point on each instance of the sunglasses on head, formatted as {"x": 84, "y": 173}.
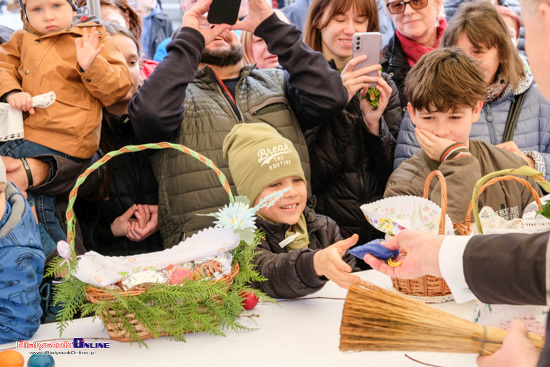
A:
{"x": 398, "y": 7}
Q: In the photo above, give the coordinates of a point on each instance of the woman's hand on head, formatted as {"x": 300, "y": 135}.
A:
{"x": 195, "y": 18}
{"x": 431, "y": 144}
{"x": 328, "y": 262}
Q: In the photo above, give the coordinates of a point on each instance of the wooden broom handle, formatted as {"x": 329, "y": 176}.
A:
{"x": 492, "y": 181}
{"x": 443, "y": 196}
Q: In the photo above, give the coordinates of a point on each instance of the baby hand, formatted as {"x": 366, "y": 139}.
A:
{"x": 21, "y": 101}
{"x": 432, "y": 144}
{"x": 87, "y": 48}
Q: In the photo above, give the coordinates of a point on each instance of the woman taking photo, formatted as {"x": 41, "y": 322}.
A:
{"x": 351, "y": 154}
{"x": 515, "y": 115}
{"x": 419, "y": 27}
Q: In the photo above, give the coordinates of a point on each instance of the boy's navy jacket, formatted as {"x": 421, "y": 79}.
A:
{"x": 21, "y": 269}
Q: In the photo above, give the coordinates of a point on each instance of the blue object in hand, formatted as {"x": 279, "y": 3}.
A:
{"x": 374, "y": 248}
{"x": 41, "y": 360}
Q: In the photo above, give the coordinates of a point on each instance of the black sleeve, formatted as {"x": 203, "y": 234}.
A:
{"x": 315, "y": 91}
{"x": 507, "y": 269}
{"x": 156, "y": 110}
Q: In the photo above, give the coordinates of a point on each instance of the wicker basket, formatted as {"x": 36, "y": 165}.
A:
{"x": 490, "y": 179}
{"x": 428, "y": 288}
{"x": 95, "y": 294}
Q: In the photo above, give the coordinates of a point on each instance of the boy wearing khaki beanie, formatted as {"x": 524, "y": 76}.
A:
{"x": 300, "y": 249}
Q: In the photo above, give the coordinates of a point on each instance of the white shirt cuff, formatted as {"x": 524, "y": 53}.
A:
{"x": 451, "y": 267}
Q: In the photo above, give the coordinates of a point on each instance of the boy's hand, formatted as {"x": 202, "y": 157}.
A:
{"x": 21, "y": 101}
{"x": 433, "y": 145}
{"x": 87, "y": 48}
{"x": 194, "y": 18}
{"x": 258, "y": 11}
{"x": 328, "y": 262}
{"x": 513, "y": 148}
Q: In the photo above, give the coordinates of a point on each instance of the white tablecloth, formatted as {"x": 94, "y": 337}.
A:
{"x": 303, "y": 332}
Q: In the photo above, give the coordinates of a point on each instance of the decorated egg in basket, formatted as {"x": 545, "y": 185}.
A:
{"x": 392, "y": 215}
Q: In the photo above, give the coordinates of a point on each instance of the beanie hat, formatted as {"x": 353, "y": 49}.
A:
{"x": 22, "y": 4}
{"x": 258, "y": 156}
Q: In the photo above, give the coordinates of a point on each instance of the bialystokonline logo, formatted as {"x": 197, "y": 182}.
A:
{"x": 77, "y": 343}
{"x": 265, "y": 155}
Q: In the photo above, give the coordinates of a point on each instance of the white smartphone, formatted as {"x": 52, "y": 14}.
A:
{"x": 370, "y": 44}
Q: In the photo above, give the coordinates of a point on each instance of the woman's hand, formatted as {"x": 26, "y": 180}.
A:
{"x": 328, "y": 262}
{"x": 512, "y": 147}
{"x": 355, "y": 80}
{"x": 87, "y": 48}
{"x": 146, "y": 223}
{"x": 371, "y": 114}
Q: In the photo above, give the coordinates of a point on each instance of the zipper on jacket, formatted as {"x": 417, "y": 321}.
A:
{"x": 224, "y": 92}
{"x": 491, "y": 126}
{"x": 360, "y": 170}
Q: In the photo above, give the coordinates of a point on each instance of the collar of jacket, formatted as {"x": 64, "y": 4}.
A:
{"x": 204, "y": 75}
{"x": 396, "y": 54}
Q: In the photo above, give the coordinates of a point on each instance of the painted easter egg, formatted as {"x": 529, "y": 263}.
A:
{"x": 11, "y": 358}
{"x": 41, "y": 360}
{"x": 180, "y": 275}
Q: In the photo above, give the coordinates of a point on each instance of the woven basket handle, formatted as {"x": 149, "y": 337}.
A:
{"x": 443, "y": 196}
{"x": 130, "y": 149}
{"x": 504, "y": 175}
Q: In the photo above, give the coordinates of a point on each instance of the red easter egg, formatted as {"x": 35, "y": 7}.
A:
{"x": 180, "y": 275}
{"x": 250, "y": 300}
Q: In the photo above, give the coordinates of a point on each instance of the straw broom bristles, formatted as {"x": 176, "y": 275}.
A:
{"x": 382, "y": 320}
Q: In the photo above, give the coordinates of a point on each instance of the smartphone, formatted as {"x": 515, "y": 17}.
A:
{"x": 223, "y": 12}
{"x": 370, "y": 44}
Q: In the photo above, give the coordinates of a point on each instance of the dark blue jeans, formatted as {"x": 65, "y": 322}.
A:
{"x": 51, "y": 231}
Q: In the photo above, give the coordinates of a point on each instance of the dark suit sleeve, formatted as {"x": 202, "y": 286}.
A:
{"x": 507, "y": 269}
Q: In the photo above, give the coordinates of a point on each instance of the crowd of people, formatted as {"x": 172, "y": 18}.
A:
{"x": 454, "y": 93}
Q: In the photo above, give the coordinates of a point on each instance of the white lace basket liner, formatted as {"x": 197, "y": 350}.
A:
{"x": 488, "y": 222}
{"x": 393, "y": 214}
{"x": 11, "y": 120}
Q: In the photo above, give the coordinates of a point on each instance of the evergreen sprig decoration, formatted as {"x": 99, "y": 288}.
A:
{"x": 163, "y": 309}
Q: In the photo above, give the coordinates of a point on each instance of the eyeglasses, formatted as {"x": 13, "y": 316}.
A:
{"x": 398, "y": 7}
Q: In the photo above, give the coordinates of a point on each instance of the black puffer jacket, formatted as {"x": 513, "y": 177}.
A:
{"x": 131, "y": 181}
{"x": 394, "y": 62}
{"x": 350, "y": 165}
{"x": 290, "y": 274}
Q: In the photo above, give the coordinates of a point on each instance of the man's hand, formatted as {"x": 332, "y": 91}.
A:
{"x": 512, "y": 147}
{"x": 517, "y": 350}
{"x": 328, "y": 262}
{"x": 194, "y": 18}
{"x": 422, "y": 255}
{"x": 258, "y": 11}
{"x": 20, "y": 101}
{"x": 87, "y": 48}
{"x": 431, "y": 144}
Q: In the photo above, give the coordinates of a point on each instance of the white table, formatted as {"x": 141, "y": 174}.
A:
{"x": 303, "y": 332}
